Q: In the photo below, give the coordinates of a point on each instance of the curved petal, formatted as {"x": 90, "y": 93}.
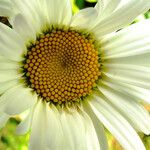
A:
{"x": 84, "y": 18}
{"x": 69, "y": 139}
{"x": 49, "y": 134}
{"x": 82, "y": 134}
{"x": 7, "y": 75}
{"x": 106, "y": 8}
{"x": 88, "y": 17}
{"x": 37, "y": 137}
{"x": 91, "y": 136}
{"x": 8, "y": 65}
{"x": 74, "y": 124}
{"x": 60, "y": 128}
{"x": 11, "y": 45}
{"x": 25, "y": 125}
{"x": 133, "y": 60}
{"x": 6, "y": 8}
{"x": 59, "y": 12}
{"x": 24, "y": 28}
{"x": 18, "y": 95}
{"x": 31, "y": 11}
{"x": 126, "y": 54}
{"x": 3, "y": 119}
{"x": 129, "y": 42}
{"x": 136, "y": 114}
{"x": 116, "y": 124}
{"x": 4, "y": 86}
{"x": 123, "y": 15}
{"x": 131, "y": 74}
{"x": 103, "y": 144}
{"x": 139, "y": 94}
{"x": 55, "y": 137}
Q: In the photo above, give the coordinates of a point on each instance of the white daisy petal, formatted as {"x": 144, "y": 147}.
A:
{"x": 31, "y": 11}
{"x": 116, "y": 124}
{"x": 75, "y": 122}
{"x": 81, "y": 131}
{"x": 134, "y": 60}
{"x": 25, "y": 125}
{"x": 125, "y": 13}
{"x": 131, "y": 41}
{"x": 61, "y": 17}
{"x": 91, "y": 16}
{"x": 69, "y": 139}
{"x": 133, "y": 77}
{"x": 86, "y": 15}
{"x": 83, "y": 135}
{"x": 106, "y": 8}
{"x": 131, "y": 67}
{"x": 98, "y": 127}
{"x": 4, "y": 86}
{"x": 6, "y": 75}
{"x": 54, "y": 135}
{"x": 3, "y": 119}
{"x": 8, "y": 64}
{"x": 17, "y": 96}
{"x": 24, "y": 28}
{"x": 38, "y": 127}
{"x": 12, "y": 49}
{"x": 139, "y": 94}
{"x": 91, "y": 136}
{"x": 136, "y": 113}
{"x": 6, "y": 8}
{"x": 49, "y": 134}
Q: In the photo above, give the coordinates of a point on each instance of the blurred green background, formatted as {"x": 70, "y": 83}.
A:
{"x": 10, "y": 141}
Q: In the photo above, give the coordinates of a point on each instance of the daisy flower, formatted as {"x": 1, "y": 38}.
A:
{"x": 75, "y": 73}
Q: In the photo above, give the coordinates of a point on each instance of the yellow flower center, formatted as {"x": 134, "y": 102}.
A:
{"x": 62, "y": 66}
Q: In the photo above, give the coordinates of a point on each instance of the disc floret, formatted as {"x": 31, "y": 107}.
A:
{"x": 62, "y": 66}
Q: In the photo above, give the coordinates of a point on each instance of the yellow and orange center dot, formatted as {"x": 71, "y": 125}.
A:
{"x": 62, "y": 66}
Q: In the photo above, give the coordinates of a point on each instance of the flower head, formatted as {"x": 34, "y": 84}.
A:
{"x": 75, "y": 73}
